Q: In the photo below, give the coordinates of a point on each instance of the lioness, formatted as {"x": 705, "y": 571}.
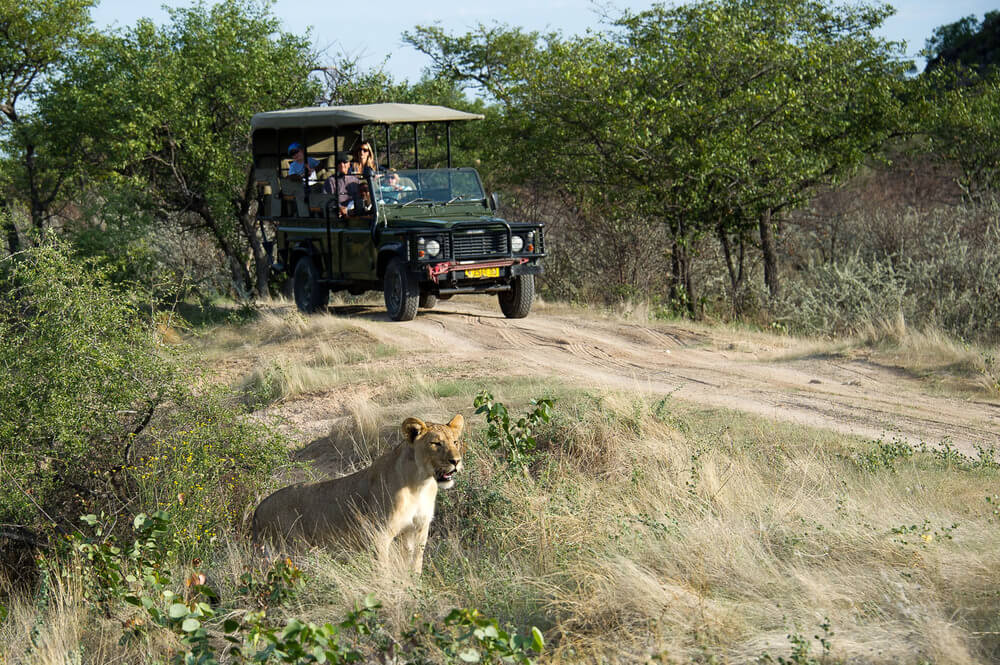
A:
{"x": 393, "y": 497}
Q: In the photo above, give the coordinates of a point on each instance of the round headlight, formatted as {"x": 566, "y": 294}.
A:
{"x": 516, "y": 244}
{"x": 433, "y": 248}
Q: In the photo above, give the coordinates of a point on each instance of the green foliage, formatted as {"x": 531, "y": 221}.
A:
{"x": 802, "y": 647}
{"x": 940, "y": 272}
{"x": 702, "y": 117}
{"x": 963, "y": 128}
{"x": 967, "y": 42}
{"x": 281, "y": 582}
{"x": 138, "y": 576}
{"x": 842, "y": 297}
{"x": 206, "y": 463}
{"x": 470, "y": 637}
{"x": 81, "y": 373}
{"x": 514, "y": 439}
{"x": 883, "y": 455}
{"x": 96, "y": 414}
{"x": 111, "y": 574}
{"x": 130, "y": 109}
{"x": 38, "y": 36}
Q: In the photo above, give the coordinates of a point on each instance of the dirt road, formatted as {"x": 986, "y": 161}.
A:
{"x": 714, "y": 368}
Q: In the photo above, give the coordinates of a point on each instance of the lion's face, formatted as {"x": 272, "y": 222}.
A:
{"x": 437, "y": 448}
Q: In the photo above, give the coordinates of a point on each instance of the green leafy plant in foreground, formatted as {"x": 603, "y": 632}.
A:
{"x": 138, "y": 575}
{"x": 801, "y": 649}
{"x": 515, "y": 439}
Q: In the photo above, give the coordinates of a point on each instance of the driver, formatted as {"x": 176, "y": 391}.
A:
{"x": 393, "y": 183}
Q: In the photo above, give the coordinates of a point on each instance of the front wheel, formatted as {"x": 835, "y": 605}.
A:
{"x": 402, "y": 294}
{"x": 310, "y": 295}
{"x": 516, "y": 303}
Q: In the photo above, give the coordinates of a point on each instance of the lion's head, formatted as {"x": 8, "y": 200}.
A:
{"x": 437, "y": 448}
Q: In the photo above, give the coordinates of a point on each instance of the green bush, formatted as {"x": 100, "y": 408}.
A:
{"x": 115, "y": 577}
{"x": 842, "y": 297}
{"x": 81, "y": 372}
{"x": 206, "y": 463}
{"x": 97, "y": 415}
{"x": 936, "y": 268}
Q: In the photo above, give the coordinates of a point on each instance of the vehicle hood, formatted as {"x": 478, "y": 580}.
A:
{"x": 444, "y": 222}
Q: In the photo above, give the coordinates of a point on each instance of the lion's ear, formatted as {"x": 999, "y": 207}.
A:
{"x": 457, "y": 424}
{"x": 412, "y": 428}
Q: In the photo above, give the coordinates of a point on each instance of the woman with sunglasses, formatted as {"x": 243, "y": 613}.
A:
{"x": 364, "y": 159}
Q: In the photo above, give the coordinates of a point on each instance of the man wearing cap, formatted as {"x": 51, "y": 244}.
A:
{"x": 298, "y": 167}
{"x": 346, "y": 186}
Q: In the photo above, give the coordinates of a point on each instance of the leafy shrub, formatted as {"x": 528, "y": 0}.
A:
{"x": 940, "y": 272}
{"x": 514, "y": 439}
{"x": 81, "y": 372}
{"x": 137, "y": 575}
{"x": 842, "y": 297}
{"x": 205, "y": 462}
{"x": 883, "y": 455}
{"x": 96, "y": 414}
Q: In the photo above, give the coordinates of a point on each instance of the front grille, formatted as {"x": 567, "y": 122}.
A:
{"x": 474, "y": 245}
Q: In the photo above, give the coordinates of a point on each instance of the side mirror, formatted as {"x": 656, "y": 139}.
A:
{"x": 494, "y": 201}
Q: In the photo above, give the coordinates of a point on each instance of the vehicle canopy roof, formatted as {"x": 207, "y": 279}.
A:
{"x": 357, "y": 115}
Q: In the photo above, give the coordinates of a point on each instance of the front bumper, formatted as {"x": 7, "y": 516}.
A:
{"x": 520, "y": 266}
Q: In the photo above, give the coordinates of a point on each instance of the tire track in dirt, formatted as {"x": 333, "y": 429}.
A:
{"x": 847, "y": 396}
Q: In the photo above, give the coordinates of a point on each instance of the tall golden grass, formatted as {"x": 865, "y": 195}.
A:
{"x": 644, "y": 529}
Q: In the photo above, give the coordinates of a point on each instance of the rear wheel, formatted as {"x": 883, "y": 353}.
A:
{"x": 402, "y": 294}
{"x": 516, "y": 303}
{"x": 310, "y": 295}
{"x": 428, "y": 300}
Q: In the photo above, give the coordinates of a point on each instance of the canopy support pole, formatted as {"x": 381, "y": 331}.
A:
{"x": 447, "y": 127}
{"x": 388, "y": 149}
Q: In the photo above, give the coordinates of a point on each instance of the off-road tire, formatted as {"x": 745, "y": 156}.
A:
{"x": 402, "y": 294}
{"x": 428, "y": 300}
{"x": 310, "y": 295}
{"x": 516, "y": 303}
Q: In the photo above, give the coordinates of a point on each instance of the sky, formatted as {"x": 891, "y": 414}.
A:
{"x": 371, "y": 33}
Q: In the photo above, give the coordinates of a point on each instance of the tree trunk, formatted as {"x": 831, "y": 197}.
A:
{"x": 770, "y": 255}
{"x": 38, "y": 208}
{"x": 237, "y": 268}
{"x": 681, "y": 287}
{"x": 736, "y": 272}
{"x": 9, "y": 228}
{"x": 245, "y": 213}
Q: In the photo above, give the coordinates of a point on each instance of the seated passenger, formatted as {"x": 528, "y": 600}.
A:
{"x": 363, "y": 162}
{"x": 298, "y": 167}
{"x": 347, "y": 187}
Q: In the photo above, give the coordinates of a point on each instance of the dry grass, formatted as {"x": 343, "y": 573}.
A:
{"x": 644, "y": 529}
{"x": 658, "y": 529}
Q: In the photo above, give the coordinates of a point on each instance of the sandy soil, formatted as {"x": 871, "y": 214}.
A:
{"x": 713, "y": 368}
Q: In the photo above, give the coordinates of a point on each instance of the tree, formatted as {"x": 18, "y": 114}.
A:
{"x": 966, "y": 42}
{"x": 35, "y": 37}
{"x": 167, "y": 111}
{"x": 709, "y": 117}
{"x": 960, "y": 112}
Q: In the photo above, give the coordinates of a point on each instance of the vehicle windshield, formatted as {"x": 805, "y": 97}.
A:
{"x": 427, "y": 186}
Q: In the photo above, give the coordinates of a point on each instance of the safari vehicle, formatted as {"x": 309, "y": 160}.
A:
{"x": 429, "y": 235}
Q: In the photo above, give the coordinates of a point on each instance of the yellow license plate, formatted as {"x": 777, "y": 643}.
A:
{"x": 476, "y": 273}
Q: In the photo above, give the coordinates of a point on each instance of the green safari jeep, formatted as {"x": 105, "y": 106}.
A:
{"x": 417, "y": 234}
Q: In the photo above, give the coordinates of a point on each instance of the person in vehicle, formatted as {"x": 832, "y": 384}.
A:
{"x": 298, "y": 167}
{"x": 347, "y": 187}
{"x": 363, "y": 162}
{"x": 391, "y": 182}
